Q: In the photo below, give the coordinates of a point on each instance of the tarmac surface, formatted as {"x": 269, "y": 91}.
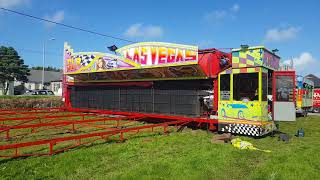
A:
{"x": 314, "y": 114}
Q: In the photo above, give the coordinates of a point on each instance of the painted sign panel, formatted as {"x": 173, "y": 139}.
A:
{"x": 255, "y": 56}
{"x": 158, "y": 54}
{"x": 93, "y": 62}
{"x": 316, "y": 98}
{"x": 304, "y": 92}
{"x": 239, "y": 110}
{"x": 270, "y": 60}
{"x": 134, "y": 56}
{"x": 174, "y": 72}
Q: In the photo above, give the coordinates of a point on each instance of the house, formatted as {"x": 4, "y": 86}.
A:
{"x": 10, "y": 89}
{"x": 56, "y": 87}
{"x": 52, "y": 81}
{"x": 315, "y": 80}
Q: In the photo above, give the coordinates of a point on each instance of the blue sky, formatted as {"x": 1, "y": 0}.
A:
{"x": 291, "y": 26}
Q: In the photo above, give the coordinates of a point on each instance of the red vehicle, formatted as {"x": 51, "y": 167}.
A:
{"x": 316, "y": 100}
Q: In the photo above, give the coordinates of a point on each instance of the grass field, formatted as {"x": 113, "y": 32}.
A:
{"x": 184, "y": 155}
{"x": 25, "y": 97}
{"x": 10, "y": 102}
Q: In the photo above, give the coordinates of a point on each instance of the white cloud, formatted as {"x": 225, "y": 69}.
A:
{"x": 139, "y": 30}
{"x": 235, "y": 8}
{"x": 305, "y": 64}
{"x": 217, "y": 15}
{"x": 56, "y": 17}
{"x": 281, "y": 34}
{"x": 13, "y": 3}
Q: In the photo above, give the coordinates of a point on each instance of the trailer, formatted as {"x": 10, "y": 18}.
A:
{"x": 174, "y": 79}
{"x": 155, "y": 87}
{"x": 304, "y": 93}
{"x": 316, "y": 101}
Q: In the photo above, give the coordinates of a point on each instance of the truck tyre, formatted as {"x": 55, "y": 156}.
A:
{"x": 304, "y": 113}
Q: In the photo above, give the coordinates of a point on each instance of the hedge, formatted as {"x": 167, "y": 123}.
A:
{"x": 10, "y": 102}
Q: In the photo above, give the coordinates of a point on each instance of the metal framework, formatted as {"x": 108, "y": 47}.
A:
{"x": 47, "y": 131}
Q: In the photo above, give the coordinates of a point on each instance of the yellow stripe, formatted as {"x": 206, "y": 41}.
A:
{"x": 260, "y": 86}
{"x": 154, "y": 79}
{"x": 219, "y": 87}
{"x": 251, "y": 70}
{"x": 144, "y": 67}
{"x": 231, "y": 88}
{"x": 236, "y": 71}
{"x": 238, "y": 121}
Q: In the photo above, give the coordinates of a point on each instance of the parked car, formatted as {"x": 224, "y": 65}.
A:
{"x": 28, "y": 92}
{"x": 40, "y": 92}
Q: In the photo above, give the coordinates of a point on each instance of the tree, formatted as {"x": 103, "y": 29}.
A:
{"x": 49, "y": 68}
{"x": 12, "y": 67}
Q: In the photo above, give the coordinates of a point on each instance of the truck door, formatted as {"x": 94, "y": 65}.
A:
{"x": 284, "y": 96}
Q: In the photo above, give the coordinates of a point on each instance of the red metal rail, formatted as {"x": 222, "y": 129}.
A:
{"x": 88, "y": 119}
{"x": 211, "y": 122}
{"x": 52, "y": 142}
{"x": 124, "y": 123}
{"x": 7, "y": 128}
{"x": 43, "y": 117}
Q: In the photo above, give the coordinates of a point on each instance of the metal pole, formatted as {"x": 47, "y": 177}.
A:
{"x": 43, "y": 61}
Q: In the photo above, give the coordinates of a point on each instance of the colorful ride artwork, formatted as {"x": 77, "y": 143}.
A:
{"x": 243, "y": 92}
{"x": 304, "y": 91}
{"x": 243, "y": 83}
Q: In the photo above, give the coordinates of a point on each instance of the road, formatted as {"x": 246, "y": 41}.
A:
{"x": 314, "y": 114}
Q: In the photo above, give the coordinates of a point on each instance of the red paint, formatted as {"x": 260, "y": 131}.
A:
{"x": 171, "y": 55}
{"x": 153, "y": 55}
{"x": 162, "y": 55}
{"x": 136, "y": 57}
{"x": 215, "y": 93}
{"x": 139, "y": 84}
{"x": 190, "y": 56}
{"x": 316, "y": 98}
{"x": 143, "y": 57}
{"x": 88, "y": 137}
{"x": 291, "y": 74}
{"x": 209, "y": 61}
{"x": 128, "y": 56}
{"x": 179, "y": 56}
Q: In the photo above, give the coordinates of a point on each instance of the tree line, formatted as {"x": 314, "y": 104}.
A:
{"x": 49, "y": 68}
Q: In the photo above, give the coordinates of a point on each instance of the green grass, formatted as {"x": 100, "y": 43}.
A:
{"x": 185, "y": 155}
{"x": 26, "y": 97}
{"x": 11, "y": 102}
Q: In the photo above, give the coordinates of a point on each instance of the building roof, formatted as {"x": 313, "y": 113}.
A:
{"x": 36, "y": 76}
{"x": 315, "y": 79}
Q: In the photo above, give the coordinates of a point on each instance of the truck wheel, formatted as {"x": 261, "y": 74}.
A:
{"x": 305, "y": 113}
{"x": 316, "y": 110}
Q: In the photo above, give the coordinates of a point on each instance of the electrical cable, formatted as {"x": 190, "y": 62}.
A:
{"x": 66, "y": 25}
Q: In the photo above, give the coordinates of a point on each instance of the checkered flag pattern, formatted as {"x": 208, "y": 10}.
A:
{"x": 86, "y": 59}
{"x": 242, "y": 129}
